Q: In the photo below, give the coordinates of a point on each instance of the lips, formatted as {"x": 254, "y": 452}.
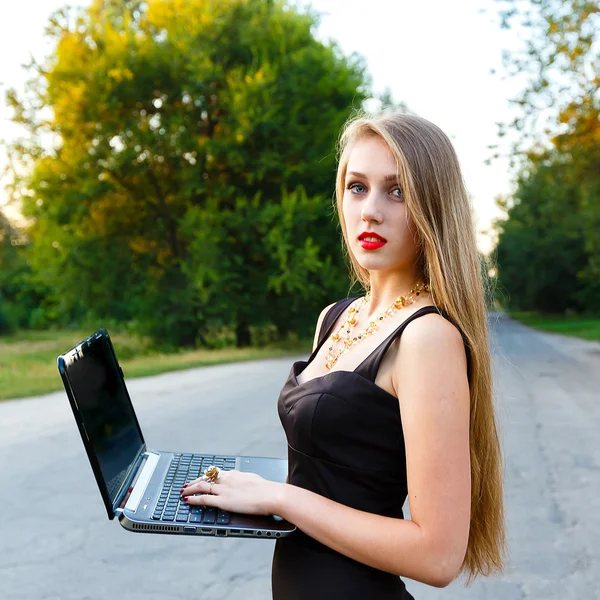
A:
{"x": 371, "y": 234}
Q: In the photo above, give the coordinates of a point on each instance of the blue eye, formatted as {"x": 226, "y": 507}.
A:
{"x": 398, "y": 193}
{"x": 353, "y": 188}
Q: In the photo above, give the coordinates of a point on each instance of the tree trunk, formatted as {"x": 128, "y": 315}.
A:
{"x": 242, "y": 334}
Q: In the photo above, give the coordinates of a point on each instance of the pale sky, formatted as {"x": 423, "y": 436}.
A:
{"x": 435, "y": 56}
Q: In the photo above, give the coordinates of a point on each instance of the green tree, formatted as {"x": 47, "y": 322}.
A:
{"x": 541, "y": 250}
{"x": 178, "y": 128}
{"x": 549, "y": 248}
{"x": 7, "y": 260}
{"x": 19, "y": 300}
{"x": 559, "y": 65}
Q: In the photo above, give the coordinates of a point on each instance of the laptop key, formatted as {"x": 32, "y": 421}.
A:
{"x": 182, "y": 518}
{"x": 222, "y": 518}
{"x": 168, "y": 517}
{"x": 210, "y": 515}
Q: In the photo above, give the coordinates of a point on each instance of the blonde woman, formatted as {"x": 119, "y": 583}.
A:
{"x": 395, "y": 400}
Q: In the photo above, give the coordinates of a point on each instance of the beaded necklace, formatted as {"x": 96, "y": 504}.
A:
{"x": 348, "y": 341}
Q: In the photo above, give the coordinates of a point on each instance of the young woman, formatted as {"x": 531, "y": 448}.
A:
{"x": 395, "y": 400}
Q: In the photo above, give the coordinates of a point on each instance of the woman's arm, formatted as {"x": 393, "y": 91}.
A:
{"x": 431, "y": 381}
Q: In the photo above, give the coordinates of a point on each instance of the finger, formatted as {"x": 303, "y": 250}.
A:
{"x": 203, "y": 500}
{"x": 203, "y": 478}
{"x": 201, "y": 487}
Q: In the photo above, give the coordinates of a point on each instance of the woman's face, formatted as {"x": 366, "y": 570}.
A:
{"x": 373, "y": 202}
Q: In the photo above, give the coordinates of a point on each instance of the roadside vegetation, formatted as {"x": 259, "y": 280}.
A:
{"x": 186, "y": 198}
{"x": 585, "y": 327}
{"x": 28, "y": 358}
{"x": 548, "y": 252}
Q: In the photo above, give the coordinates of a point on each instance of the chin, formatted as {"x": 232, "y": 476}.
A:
{"x": 374, "y": 265}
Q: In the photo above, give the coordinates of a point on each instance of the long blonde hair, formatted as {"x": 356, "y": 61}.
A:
{"x": 438, "y": 203}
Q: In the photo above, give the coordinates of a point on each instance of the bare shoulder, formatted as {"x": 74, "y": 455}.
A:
{"x": 430, "y": 346}
{"x": 320, "y": 323}
{"x": 432, "y": 329}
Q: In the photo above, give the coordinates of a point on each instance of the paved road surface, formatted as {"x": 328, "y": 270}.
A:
{"x": 56, "y": 543}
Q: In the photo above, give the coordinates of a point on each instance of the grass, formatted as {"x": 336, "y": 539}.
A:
{"x": 28, "y": 358}
{"x": 585, "y": 327}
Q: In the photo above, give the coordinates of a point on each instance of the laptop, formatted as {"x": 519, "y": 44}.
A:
{"x": 141, "y": 487}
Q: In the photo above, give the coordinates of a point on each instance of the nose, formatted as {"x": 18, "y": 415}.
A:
{"x": 371, "y": 211}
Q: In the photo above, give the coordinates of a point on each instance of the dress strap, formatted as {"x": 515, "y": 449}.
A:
{"x": 329, "y": 321}
{"x": 369, "y": 367}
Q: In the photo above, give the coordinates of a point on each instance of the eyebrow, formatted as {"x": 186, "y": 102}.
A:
{"x": 363, "y": 176}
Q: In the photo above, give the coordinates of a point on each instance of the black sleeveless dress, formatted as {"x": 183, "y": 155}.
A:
{"x": 345, "y": 442}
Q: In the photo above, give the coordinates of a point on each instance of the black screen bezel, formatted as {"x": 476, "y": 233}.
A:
{"x": 100, "y": 337}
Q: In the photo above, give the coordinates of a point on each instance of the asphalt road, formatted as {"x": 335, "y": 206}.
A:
{"x": 57, "y": 544}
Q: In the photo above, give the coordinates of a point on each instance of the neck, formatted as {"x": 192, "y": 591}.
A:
{"x": 385, "y": 292}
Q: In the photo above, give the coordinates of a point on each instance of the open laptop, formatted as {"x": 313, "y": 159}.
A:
{"x": 139, "y": 486}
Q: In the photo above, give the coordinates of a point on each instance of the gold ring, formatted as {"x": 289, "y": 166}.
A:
{"x": 212, "y": 473}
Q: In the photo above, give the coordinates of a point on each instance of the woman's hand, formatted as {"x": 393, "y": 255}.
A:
{"x": 235, "y": 491}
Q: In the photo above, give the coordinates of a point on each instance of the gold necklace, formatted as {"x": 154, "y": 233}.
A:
{"x": 348, "y": 340}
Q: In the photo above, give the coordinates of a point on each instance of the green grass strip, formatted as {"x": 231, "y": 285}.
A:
{"x": 585, "y": 327}
{"x": 28, "y": 359}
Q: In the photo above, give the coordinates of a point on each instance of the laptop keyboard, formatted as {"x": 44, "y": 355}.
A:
{"x": 183, "y": 469}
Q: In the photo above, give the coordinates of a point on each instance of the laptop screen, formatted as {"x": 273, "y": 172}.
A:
{"x": 105, "y": 409}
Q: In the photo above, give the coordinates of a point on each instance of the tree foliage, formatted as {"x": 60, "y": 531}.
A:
{"x": 18, "y": 297}
{"x": 541, "y": 251}
{"x": 560, "y": 64}
{"x": 178, "y": 129}
{"x": 549, "y": 248}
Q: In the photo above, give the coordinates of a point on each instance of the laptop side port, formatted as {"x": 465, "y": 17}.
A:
{"x": 221, "y": 533}
{"x": 205, "y": 530}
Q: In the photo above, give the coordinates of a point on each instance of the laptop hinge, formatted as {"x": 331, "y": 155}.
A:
{"x": 130, "y": 477}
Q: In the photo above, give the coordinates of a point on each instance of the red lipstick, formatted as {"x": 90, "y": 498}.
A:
{"x": 373, "y": 241}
